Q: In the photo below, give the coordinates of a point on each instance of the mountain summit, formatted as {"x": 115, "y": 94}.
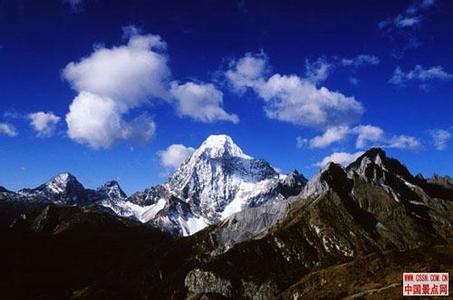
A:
{"x": 63, "y": 189}
{"x": 215, "y": 182}
{"x": 219, "y": 179}
{"x": 216, "y": 146}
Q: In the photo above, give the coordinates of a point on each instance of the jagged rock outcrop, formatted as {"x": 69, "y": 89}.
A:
{"x": 444, "y": 181}
{"x": 200, "y": 283}
{"x": 63, "y": 189}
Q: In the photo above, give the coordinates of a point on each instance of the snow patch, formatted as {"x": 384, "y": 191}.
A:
{"x": 129, "y": 209}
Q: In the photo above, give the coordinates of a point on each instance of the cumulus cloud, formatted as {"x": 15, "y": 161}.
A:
{"x": 403, "y": 142}
{"x": 97, "y": 121}
{"x": 200, "y": 101}
{"x": 44, "y": 123}
{"x": 341, "y": 158}
{"x": 8, "y": 129}
{"x": 366, "y": 136}
{"x": 247, "y": 72}
{"x": 291, "y": 98}
{"x": 130, "y": 74}
{"x": 331, "y": 135}
{"x": 422, "y": 75}
{"x": 362, "y": 59}
{"x": 174, "y": 155}
{"x": 440, "y": 138}
{"x": 114, "y": 83}
{"x": 111, "y": 82}
{"x": 368, "y": 133}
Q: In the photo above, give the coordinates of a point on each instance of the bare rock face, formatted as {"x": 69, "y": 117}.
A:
{"x": 444, "y": 181}
{"x": 292, "y": 184}
{"x": 200, "y": 282}
{"x": 248, "y": 224}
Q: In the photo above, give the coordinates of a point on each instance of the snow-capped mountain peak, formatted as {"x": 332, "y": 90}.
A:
{"x": 112, "y": 190}
{"x": 218, "y": 180}
{"x": 63, "y": 188}
{"x": 216, "y": 146}
{"x": 60, "y": 183}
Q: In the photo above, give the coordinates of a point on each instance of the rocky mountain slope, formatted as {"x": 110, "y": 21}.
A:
{"x": 369, "y": 219}
{"x": 372, "y": 206}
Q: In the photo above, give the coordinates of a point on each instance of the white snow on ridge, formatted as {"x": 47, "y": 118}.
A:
{"x": 247, "y": 190}
{"x": 192, "y": 225}
{"x": 58, "y": 183}
{"x": 129, "y": 209}
{"x": 218, "y": 145}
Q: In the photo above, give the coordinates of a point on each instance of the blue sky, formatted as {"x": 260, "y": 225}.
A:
{"x": 102, "y": 89}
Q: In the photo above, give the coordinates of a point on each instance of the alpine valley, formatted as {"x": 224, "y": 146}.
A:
{"x": 228, "y": 226}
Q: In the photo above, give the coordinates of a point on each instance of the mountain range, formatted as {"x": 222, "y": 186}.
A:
{"x": 249, "y": 231}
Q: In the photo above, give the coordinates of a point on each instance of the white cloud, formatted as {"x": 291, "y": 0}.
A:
{"x": 364, "y": 133}
{"x": 366, "y": 136}
{"x": 175, "y": 155}
{"x": 317, "y": 71}
{"x": 341, "y": 158}
{"x": 97, "y": 121}
{"x": 440, "y": 138}
{"x": 130, "y": 74}
{"x": 8, "y": 129}
{"x": 111, "y": 82}
{"x": 362, "y": 59}
{"x": 420, "y": 74}
{"x": 330, "y": 136}
{"x": 367, "y": 133}
{"x": 44, "y": 123}
{"x": 201, "y": 102}
{"x": 247, "y": 72}
{"x": 291, "y": 98}
{"x": 403, "y": 142}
